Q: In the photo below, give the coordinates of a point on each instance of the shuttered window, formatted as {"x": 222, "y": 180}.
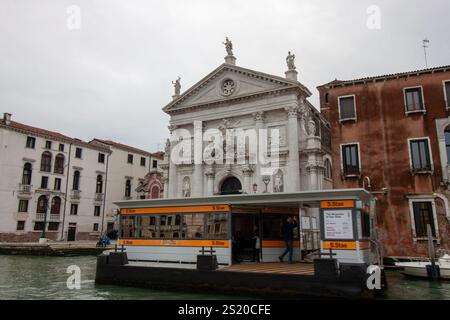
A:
{"x": 350, "y": 159}
{"x": 420, "y": 155}
{"x": 413, "y": 99}
{"x": 423, "y": 215}
{"x": 347, "y": 108}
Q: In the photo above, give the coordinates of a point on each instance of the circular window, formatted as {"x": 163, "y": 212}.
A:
{"x": 228, "y": 87}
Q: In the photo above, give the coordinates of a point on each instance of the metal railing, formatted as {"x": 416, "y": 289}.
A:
{"x": 40, "y": 216}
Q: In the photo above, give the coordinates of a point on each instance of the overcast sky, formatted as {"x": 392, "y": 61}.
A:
{"x": 111, "y": 77}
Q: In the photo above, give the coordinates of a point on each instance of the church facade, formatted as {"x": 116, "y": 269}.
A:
{"x": 285, "y": 145}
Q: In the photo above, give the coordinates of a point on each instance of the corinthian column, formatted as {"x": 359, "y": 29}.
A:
{"x": 172, "y": 190}
{"x": 209, "y": 172}
{"x": 197, "y": 183}
{"x": 293, "y": 174}
{"x": 259, "y": 124}
{"x": 247, "y": 171}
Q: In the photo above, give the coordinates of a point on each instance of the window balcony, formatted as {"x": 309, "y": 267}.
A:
{"x": 75, "y": 194}
{"x": 40, "y": 216}
{"x": 25, "y": 188}
{"x": 55, "y": 217}
{"x": 99, "y": 197}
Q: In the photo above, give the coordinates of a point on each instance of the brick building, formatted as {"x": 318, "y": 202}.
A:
{"x": 391, "y": 135}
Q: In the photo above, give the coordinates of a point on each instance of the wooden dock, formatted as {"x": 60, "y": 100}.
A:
{"x": 306, "y": 269}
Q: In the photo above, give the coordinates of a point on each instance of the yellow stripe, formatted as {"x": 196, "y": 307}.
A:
{"x": 175, "y": 243}
{"x": 337, "y": 204}
{"x": 339, "y": 245}
{"x": 190, "y": 209}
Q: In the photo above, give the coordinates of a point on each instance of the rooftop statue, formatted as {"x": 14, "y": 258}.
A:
{"x": 290, "y": 59}
{"x": 177, "y": 86}
{"x": 228, "y": 46}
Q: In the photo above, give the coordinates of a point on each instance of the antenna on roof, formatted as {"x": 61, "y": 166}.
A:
{"x": 425, "y": 44}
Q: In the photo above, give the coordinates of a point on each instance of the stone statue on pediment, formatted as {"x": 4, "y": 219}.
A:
{"x": 290, "y": 61}
{"x": 177, "y": 87}
{"x": 228, "y": 46}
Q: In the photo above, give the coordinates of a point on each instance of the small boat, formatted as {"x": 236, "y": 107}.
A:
{"x": 419, "y": 268}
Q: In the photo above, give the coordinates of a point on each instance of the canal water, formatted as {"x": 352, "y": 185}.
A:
{"x": 30, "y": 277}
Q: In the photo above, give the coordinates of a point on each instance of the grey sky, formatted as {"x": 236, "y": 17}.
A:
{"x": 111, "y": 78}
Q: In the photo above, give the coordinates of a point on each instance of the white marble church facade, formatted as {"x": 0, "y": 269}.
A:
{"x": 232, "y": 98}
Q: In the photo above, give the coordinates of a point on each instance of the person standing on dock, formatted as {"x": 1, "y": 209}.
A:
{"x": 256, "y": 247}
{"x": 287, "y": 232}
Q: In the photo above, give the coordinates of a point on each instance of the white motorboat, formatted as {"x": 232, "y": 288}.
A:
{"x": 419, "y": 269}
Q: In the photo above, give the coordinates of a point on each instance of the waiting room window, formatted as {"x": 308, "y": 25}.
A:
{"x": 142, "y": 161}
{"x": 101, "y": 158}
{"x": 414, "y": 99}
{"x": 130, "y": 158}
{"x": 23, "y": 205}
{"x": 46, "y": 161}
{"x": 31, "y": 142}
{"x": 97, "y": 211}
{"x": 423, "y": 215}
{"x": 420, "y": 155}
{"x": 20, "y": 225}
{"x": 78, "y": 153}
{"x": 350, "y": 159}
{"x": 347, "y": 108}
{"x": 74, "y": 209}
{"x": 447, "y": 93}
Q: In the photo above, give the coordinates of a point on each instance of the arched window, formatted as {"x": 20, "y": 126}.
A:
{"x": 447, "y": 143}
{"x": 42, "y": 204}
{"x": 59, "y": 164}
{"x": 26, "y": 176}
{"x": 128, "y": 188}
{"x": 56, "y": 205}
{"x": 154, "y": 193}
{"x": 46, "y": 161}
{"x": 99, "y": 186}
{"x": 76, "y": 180}
{"x": 327, "y": 165}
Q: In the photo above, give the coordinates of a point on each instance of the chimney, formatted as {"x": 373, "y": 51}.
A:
{"x": 7, "y": 118}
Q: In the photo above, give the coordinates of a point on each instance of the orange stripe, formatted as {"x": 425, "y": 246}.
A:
{"x": 190, "y": 209}
{"x": 277, "y": 244}
{"x": 175, "y": 243}
{"x": 364, "y": 245}
{"x": 339, "y": 245}
{"x": 337, "y": 204}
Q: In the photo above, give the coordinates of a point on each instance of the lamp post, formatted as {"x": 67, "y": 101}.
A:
{"x": 266, "y": 180}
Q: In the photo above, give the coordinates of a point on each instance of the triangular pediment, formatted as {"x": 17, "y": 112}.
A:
{"x": 229, "y": 82}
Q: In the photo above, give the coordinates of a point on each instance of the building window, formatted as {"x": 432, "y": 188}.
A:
{"x": 57, "y": 184}
{"x": 42, "y": 204}
{"x": 327, "y": 166}
{"x": 128, "y": 188}
{"x": 59, "y": 164}
{"x": 423, "y": 216}
{"x": 154, "y": 164}
{"x": 48, "y": 144}
{"x": 154, "y": 192}
{"x": 99, "y": 185}
{"x": 44, "y": 182}
{"x": 420, "y": 155}
{"x": 23, "y": 205}
{"x": 95, "y": 228}
{"x": 46, "y": 161}
{"x": 130, "y": 158}
{"x": 447, "y": 143}
{"x": 414, "y": 99}
{"x": 97, "y": 211}
{"x": 350, "y": 159}
{"x": 61, "y": 147}
{"x": 347, "y": 108}
{"x": 101, "y": 158}
{"x": 20, "y": 225}
{"x": 31, "y": 142}
{"x": 76, "y": 180}
{"x": 447, "y": 93}
{"x": 143, "y": 160}
{"x": 56, "y": 206}
{"x": 26, "y": 174}
{"x": 53, "y": 226}
{"x": 327, "y": 97}
{"x": 78, "y": 153}
{"x": 38, "y": 226}
{"x": 74, "y": 209}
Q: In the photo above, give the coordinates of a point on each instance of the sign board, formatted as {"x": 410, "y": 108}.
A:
{"x": 337, "y": 204}
{"x": 338, "y": 224}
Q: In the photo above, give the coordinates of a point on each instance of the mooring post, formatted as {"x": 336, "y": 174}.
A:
{"x": 434, "y": 272}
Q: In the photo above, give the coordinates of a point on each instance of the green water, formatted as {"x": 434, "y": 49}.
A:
{"x": 29, "y": 277}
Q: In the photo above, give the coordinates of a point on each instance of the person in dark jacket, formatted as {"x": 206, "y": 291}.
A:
{"x": 287, "y": 232}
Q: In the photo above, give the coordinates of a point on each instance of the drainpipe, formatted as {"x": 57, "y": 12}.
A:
{"x": 444, "y": 198}
{"x": 61, "y": 238}
{"x": 106, "y": 192}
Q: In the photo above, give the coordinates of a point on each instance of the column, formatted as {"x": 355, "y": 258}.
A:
{"x": 293, "y": 163}
{"x": 247, "y": 172}
{"x": 173, "y": 181}
{"x": 209, "y": 172}
{"x": 197, "y": 179}
{"x": 259, "y": 124}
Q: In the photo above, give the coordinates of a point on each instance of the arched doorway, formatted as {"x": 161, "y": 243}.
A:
{"x": 231, "y": 185}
